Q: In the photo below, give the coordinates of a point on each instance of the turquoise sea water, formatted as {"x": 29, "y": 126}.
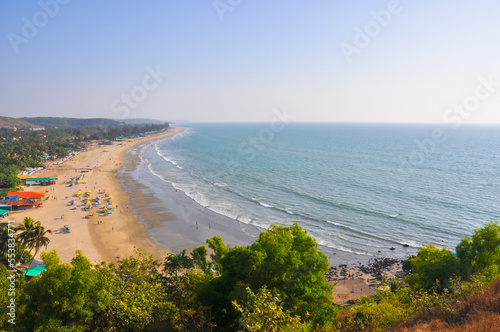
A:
{"x": 357, "y": 188}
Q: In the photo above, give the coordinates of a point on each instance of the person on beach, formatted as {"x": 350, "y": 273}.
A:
{"x": 196, "y": 225}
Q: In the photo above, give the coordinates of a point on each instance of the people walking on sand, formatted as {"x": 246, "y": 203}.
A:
{"x": 196, "y": 225}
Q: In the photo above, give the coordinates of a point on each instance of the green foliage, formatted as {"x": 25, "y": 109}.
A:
{"x": 25, "y": 148}
{"x": 432, "y": 268}
{"x": 32, "y": 236}
{"x": 482, "y": 253}
{"x": 285, "y": 260}
{"x": 389, "y": 305}
{"x": 65, "y": 296}
{"x": 438, "y": 281}
{"x": 184, "y": 274}
{"x": 20, "y": 252}
{"x": 275, "y": 284}
{"x": 8, "y": 174}
{"x": 137, "y": 298}
{"x": 7, "y": 293}
{"x": 263, "y": 312}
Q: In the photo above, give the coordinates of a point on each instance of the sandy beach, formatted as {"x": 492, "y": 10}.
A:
{"x": 100, "y": 237}
{"x": 141, "y": 203}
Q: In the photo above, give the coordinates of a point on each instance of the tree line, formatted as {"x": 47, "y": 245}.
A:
{"x": 24, "y": 148}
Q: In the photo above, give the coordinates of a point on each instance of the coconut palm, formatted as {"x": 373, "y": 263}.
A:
{"x": 27, "y": 230}
{"x": 38, "y": 239}
{"x": 33, "y": 236}
{"x": 4, "y": 243}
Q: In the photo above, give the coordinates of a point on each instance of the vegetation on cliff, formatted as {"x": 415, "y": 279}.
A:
{"x": 275, "y": 284}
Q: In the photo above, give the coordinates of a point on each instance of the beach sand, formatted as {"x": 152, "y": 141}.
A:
{"x": 119, "y": 233}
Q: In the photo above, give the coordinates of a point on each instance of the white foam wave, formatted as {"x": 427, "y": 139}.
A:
{"x": 256, "y": 200}
{"x": 336, "y": 246}
{"x": 156, "y": 174}
{"x": 173, "y": 162}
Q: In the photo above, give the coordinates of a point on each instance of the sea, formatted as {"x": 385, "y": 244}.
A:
{"x": 367, "y": 190}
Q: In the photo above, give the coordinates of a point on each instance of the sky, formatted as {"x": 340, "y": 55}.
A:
{"x": 414, "y": 61}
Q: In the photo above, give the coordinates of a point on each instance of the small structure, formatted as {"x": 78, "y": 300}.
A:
{"x": 40, "y": 181}
{"x": 25, "y": 194}
{"x": 37, "y": 128}
{"x": 20, "y": 204}
{"x": 36, "y": 268}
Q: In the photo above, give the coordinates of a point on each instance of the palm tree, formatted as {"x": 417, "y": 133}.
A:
{"x": 33, "y": 236}
{"x": 38, "y": 240}
{"x": 27, "y": 228}
{"x": 4, "y": 244}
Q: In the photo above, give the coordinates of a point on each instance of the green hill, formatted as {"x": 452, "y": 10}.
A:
{"x": 56, "y": 122}
{"x": 53, "y": 122}
{"x": 143, "y": 121}
{"x": 10, "y": 123}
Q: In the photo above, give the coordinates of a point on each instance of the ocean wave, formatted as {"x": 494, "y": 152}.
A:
{"x": 261, "y": 203}
{"x": 282, "y": 190}
{"x": 185, "y": 132}
{"x": 173, "y": 162}
{"x": 336, "y": 246}
{"x": 150, "y": 167}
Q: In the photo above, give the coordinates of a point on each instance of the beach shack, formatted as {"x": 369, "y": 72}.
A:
{"x": 4, "y": 210}
{"x": 17, "y": 203}
{"x": 25, "y": 194}
{"x": 40, "y": 181}
{"x": 21, "y": 200}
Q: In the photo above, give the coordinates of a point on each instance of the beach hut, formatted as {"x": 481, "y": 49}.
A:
{"x": 36, "y": 267}
{"x": 25, "y": 194}
{"x": 40, "y": 181}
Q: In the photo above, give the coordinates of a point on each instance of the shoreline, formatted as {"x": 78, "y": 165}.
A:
{"x": 101, "y": 237}
{"x": 171, "y": 216}
{"x": 152, "y": 215}
{"x": 171, "y": 213}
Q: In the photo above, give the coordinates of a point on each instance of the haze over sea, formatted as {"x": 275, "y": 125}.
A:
{"x": 358, "y": 188}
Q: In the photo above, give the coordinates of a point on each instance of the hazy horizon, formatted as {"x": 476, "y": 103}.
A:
{"x": 241, "y": 61}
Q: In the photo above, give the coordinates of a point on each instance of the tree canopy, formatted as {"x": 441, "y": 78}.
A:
{"x": 286, "y": 260}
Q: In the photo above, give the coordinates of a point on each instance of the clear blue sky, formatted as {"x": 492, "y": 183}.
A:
{"x": 426, "y": 61}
